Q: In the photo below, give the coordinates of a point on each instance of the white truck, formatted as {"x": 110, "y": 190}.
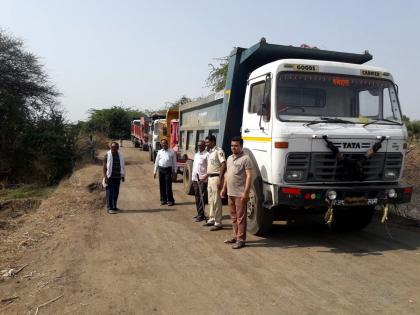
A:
{"x": 323, "y": 129}
{"x": 157, "y": 132}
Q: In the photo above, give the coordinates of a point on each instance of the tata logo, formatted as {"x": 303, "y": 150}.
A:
{"x": 351, "y": 145}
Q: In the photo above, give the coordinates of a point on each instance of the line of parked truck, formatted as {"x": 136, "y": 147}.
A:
{"x": 323, "y": 129}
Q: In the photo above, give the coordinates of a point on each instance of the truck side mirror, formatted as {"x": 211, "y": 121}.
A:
{"x": 262, "y": 110}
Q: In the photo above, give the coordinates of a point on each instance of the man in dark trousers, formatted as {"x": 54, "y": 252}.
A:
{"x": 199, "y": 179}
{"x": 166, "y": 165}
{"x": 114, "y": 172}
{"x": 237, "y": 183}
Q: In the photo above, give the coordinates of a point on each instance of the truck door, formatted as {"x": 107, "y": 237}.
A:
{"x": 256, "y": 122}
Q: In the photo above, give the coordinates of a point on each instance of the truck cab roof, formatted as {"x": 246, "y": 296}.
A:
{"x": 324, "y": 67}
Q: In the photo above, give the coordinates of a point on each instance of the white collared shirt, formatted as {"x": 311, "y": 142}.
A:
{"x": 165, "y": 158}
{"x": 200, "y": 165}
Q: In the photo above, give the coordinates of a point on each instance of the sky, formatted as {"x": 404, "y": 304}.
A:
{"x": 143, "y": 54}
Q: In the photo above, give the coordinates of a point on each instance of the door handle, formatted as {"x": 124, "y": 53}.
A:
{"x": 246, "y": 130}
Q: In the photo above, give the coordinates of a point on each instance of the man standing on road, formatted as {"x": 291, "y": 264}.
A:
{"x": 199, "y": 179}
{"x": 238, "y": 184}
{"x": 114, "y": 172}
{"x": 165, "y": 163}
{"x": 215, "y": 172}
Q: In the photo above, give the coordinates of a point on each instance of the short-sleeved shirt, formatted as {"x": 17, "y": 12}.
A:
{"x": 235, "y": 174}
{"x": 216, "y": 158}
{"x": 200, "y": 165}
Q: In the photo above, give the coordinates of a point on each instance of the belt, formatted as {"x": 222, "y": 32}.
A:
{"x": 213, "y": 175}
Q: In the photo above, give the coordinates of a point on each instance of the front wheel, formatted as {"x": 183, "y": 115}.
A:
{"x": 260, "y": 219}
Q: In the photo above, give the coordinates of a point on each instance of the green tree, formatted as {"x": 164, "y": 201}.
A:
{"x": 114, "y": 122}
{"x": 218, "y": 73}
{"x": 31, "y": 116}
{"x": 175, "y": 105}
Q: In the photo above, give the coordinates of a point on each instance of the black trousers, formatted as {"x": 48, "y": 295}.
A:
{"x": 112, "y": 192}
{"x": 198, "y": 204}
{"x": 165, "y": 184}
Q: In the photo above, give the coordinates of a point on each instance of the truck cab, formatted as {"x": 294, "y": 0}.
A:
{"x": 158, "y": 132}
{"x": 323, "y": 134}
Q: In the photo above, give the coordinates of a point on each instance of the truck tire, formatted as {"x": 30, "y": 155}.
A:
{"x": 352, "y": 218}
{"x": 260, "y": 219}
{"x": 186, "y": 178}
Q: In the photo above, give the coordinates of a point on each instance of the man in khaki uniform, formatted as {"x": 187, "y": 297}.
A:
{"x": 237, "y": 184}
{"x": 216, "y": 167}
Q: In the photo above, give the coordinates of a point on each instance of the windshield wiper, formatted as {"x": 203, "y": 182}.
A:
{"x": 383, "y": 119}
{"x": 329, "y": 120}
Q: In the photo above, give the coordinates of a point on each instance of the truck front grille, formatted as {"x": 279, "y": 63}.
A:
{"x": 324, "y": 167}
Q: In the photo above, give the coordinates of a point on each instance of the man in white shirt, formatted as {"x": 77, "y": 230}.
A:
{"x": 114, "y": 172}
{"x": 166, "y": 165}
{"x": 199, "y": 179}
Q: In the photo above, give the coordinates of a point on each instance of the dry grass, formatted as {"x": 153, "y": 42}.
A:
{"x": 26, "y": 225}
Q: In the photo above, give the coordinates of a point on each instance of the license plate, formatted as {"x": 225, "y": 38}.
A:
{"x": 355, "y": 201}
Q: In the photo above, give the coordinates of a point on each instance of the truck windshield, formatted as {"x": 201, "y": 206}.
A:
{"x": 304, "y": 97}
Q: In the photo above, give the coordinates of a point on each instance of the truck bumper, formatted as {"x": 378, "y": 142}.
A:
{"x": 317, "y": 196}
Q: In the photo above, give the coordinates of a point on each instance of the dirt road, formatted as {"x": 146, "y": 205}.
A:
{"x": 153, "y": 259}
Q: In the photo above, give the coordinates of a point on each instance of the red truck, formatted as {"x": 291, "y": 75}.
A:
{"x": 140, "y": 132}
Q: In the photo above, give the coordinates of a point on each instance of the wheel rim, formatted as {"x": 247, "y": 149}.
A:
{"x": 251, "y": 205}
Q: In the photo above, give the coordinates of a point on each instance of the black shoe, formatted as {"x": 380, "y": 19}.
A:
{"x": 116, "y": 209}
{"x": 208, "y": 224}
{"x": 195, "y": 217}
{"x": 199, "y": 219}
{"x": 163, "y": 203}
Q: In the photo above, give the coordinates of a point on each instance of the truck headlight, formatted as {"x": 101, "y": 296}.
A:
{"x": 331, "y": 194}
{"x": 294, "y": 175}
{"x": 390, "y": 174}
{"x": 392, "y": 193}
